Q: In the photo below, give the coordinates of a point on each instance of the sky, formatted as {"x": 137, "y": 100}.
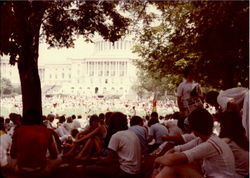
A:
{"x": 60, "y": 55}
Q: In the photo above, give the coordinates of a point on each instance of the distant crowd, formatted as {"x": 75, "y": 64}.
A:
{"x": 90, "y": 105}
{"x": 191, "y": 142}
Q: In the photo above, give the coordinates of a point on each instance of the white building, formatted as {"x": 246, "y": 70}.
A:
{"x": 109, "y": 71}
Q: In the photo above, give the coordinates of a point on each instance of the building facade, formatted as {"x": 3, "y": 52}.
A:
{"x": 109, "y": 71}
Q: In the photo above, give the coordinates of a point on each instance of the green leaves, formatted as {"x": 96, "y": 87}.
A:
{"x": 213, "y": 36}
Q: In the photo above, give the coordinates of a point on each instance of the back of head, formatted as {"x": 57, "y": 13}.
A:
{"x": 187, "y": 70}
{"x": 79, "y": 116}
{"x": 201, "y": 121}
{"x": 118, "y": 121}
{"x": 231, "y": 127}
{"x": 93, "y": 118}
{"x": 154, "y": 120}
{"x": 107, "y": 117}
{"x": 32, "y": 117}
{"x": 101, "y": 116}
{"x": 62, "y": 119}
{"x": 211, "y": 98}
{"x": 154, "y": 114}
{"x": 136, "y": 120}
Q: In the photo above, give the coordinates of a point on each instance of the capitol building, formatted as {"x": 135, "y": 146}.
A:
{"x": 108, "y": 71}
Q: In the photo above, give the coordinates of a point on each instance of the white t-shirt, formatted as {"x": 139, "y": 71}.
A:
{"x": 185, "y": 88}
{"x": 189, "y": 103}
{"x": 5, "y": 143}
{"x": 142, "y": 135}
{"x": 218, "y": 159}
{"x": 157, "y": 130}
{"x": 127, "y": 145}
{"x": 173, "y": 129}
{"x": 237, "y": 95}
{"x": 76, "y": 124}
{"x": 241, "y": 157}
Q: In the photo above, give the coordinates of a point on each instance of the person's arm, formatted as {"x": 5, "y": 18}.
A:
{"x": 112, "y": 157}
{"x": 82, "y": 133}
{"x": 188, "y": 145}
{"x": 171, "y": 159}
{"x": 52, "y": 147}
{"x": 177, "y": 139}
{"x": 179, "y": 102}
{"x": 91, "y": 134}
{"x": 13, "y": 148}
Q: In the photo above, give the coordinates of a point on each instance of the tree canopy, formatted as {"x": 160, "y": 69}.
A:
{"x": 211, "y": 35}
{"x": 24, "y": 23}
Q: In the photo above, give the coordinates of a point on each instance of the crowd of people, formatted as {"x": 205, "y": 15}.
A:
{"x": 87, "y": 105}
{"x": 186, "y": 143}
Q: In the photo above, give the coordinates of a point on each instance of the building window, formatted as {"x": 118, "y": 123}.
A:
{"x": 55, "y": 76}
{"x": 50, "y": 76}
{"x": 69, "y": 76}
{"x": 63, "y": 75}
{"x": 106, "y": 81}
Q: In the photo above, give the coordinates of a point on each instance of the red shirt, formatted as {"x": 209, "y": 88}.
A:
{"x": 30, "y": 144}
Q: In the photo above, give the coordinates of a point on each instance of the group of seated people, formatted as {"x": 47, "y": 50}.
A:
{"x": 114, "y": 146}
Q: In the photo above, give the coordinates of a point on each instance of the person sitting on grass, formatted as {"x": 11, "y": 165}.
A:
{"x": 233, "y": 133}
{"x": 30, "y": 144}
{"x": 124, "y": 157}
{"x": 213, "y": 155}
{"x": 88, "y": 141}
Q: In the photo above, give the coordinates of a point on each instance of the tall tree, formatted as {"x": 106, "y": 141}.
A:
{"x": 213, "y": 36}
{"x": 23, "y": 23}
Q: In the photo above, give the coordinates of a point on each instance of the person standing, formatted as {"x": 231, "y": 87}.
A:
{"x": 189, "y": 94}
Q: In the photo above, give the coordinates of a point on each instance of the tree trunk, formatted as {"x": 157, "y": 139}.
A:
{"x": 30, "y": 16}
{"x": 29, "y": 77}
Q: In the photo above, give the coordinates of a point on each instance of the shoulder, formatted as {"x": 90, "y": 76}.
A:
{"x": 182, "y": 84}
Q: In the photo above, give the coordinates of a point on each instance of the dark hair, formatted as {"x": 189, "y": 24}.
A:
{"x": 32, "y": 117}
{"x": 231, "y": 127}
{"x": 101, "y": 116}
{"x": 107, "y": 117}
{"x": 201, "y": 121}
{"x": 154, "y": 114}
{"x": 117, "y": 122}
{"x": 7, "y": 120}
{"x": 73, "y": 116}
{"x": 62, "y": 119}
{"x": 211, "y": 98}
{"x": 2, "y": 124}
{"x": 79, "y": 116}
{"x": 153, "y": 121}
{"x": 136, "y": 120}
{"x": 51, "y": 117}
{"x": 74, "y": 132}
{"x": 187, "y": 70}
{"x": 93, "y": 118}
